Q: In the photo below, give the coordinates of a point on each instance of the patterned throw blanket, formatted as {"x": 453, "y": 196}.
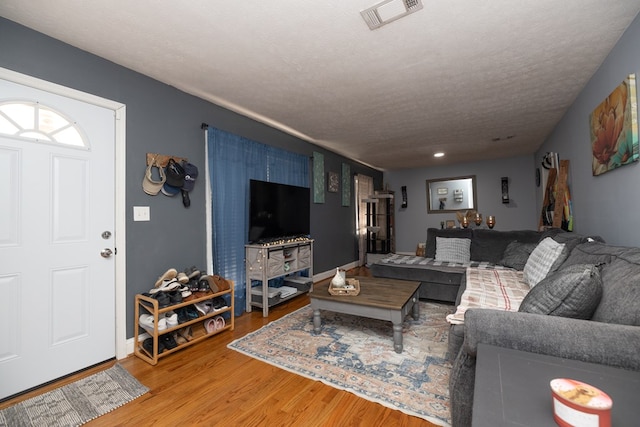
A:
{"x": 422, "y": 261}
{"x": 501, "y": 289}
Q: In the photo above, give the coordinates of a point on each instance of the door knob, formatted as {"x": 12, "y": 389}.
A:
{"x": 106, "y": 253}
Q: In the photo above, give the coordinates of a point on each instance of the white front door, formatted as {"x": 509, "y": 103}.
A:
{"x": 57, "y": 279}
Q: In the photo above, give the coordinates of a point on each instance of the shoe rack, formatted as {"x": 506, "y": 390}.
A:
{"x": 148, "y": 305}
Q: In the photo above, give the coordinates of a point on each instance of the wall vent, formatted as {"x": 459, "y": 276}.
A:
{"x": 388, "y": 11}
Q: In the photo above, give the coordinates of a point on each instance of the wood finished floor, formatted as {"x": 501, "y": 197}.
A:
{"x": 208, "y": 384}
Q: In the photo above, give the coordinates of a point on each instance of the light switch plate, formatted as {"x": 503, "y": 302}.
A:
{"x": 141, "y": 213}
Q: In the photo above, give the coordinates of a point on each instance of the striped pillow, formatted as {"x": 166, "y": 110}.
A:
{"x": 542, "y": 260}
{"x": 453, "y": 250}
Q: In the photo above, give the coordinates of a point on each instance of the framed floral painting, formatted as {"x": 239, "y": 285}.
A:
{"x": 614, "y": 129}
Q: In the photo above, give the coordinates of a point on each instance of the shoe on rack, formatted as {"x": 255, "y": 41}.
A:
{"x": 185, "y": 291}
{"x": 186, "y": 333}
{"x": 146, "y": 321}
{"x": 203, "y": 284}
{"x": 191, "y": 312}
{"x": 204, "y": 307}
{"x": 175, "y": 296}
{"x": 210, "y": 325}
{"x": 193, "y": 285}
{"x": 172, "y": 319}
{"x": 168, "y": 275}
{"x": 219, "y": 303}
{"x": 168, "y": 341}
{"x": 182, "y": 315}
{"x": 179, "y": 339}
{"x": 221, "y": 283}
{"x": 183, "y": 278}
{"x": 192, "y": 272}
{"x": 163, "y": 299}
{"x": 147, "y": 345}
{"x": 220, "y": 323}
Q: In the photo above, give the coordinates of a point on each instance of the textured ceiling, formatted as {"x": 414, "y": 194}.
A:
{"x": 451, "y": 77}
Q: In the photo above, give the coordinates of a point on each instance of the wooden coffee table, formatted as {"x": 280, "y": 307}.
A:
{"x": 379, "y": 298}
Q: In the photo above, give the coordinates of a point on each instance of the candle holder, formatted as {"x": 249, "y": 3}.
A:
{"x": 464, "y": 222}
{"x": 478, "y": 219}
{"x": 491, "y": 221}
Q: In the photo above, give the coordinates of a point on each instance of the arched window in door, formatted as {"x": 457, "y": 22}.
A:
{"x": 36, "y": 122}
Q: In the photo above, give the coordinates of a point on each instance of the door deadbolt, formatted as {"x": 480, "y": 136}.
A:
{"x": 106, "y": 235}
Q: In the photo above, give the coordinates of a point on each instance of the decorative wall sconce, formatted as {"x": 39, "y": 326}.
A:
{"x": 505, "y": 189}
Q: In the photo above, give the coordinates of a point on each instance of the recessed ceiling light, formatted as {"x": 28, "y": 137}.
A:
{"x": 439, "y": 154}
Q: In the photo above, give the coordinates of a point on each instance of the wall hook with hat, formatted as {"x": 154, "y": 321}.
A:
{"x": 163, "y": 159}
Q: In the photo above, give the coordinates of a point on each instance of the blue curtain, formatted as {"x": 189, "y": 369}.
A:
{"x": 233, "y": 161}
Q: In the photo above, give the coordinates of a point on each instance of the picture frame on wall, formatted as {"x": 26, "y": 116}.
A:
{"x": 333, "y": 184}
{"x": 613, "y": 127}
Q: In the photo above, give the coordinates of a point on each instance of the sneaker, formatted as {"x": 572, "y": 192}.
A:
{"x": 191, "y": 312}
{"x": 172, "y": 319}
{"x": 168, "y": 341}
{"x": 203, "y": 284}
{"x": 168, "y": 275}
{"x": 146, "y": 321}
{"x": 219, "y": 303}
{"x": 185, "y": 291}
{"x": 147, "y": 345}
{"x": 192, "y": 272}
{"x": 193, "y": 285}
{"x": 175, "y": 297}
{"x": 204, "y": 307}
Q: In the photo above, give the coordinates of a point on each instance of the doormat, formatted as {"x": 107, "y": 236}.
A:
{"x": 76, "y": 403}
{"x": 356, "y": 354}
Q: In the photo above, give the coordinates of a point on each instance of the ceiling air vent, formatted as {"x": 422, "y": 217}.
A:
{"x": 388, "y": 11}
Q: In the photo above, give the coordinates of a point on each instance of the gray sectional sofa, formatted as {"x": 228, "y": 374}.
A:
{"x": 441, "y": 281}
{"x": 587, "y": 308}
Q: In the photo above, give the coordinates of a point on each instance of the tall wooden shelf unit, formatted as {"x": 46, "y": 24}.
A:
{"x": 381, "y": 237}
{"x": 268, "y": 261}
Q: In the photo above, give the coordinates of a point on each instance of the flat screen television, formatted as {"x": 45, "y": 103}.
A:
{"x": 277, "y": 211}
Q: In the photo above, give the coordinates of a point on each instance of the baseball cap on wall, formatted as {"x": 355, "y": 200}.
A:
{"x": 190, "y": 175}
{"x": 149, "y": 185}
{"x": 175, "y": 178}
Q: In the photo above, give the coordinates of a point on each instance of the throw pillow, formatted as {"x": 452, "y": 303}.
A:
{"x": 453, "y": 250}
{"x": 544, "y": 259}
{"x": 574, "y": 291}
{"x": 516, "y": 255}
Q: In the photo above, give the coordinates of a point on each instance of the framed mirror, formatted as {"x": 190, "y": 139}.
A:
{"x": 447, "y": 195}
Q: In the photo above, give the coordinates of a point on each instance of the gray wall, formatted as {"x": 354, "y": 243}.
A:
{"x": 608, "y": 204}
{"x": 165, "y": 120}
{"x": 519, "y": 213}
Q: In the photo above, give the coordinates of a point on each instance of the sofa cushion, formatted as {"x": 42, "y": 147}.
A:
{"x": 516, "y": 255}
{"x": 453, "y": 250}
{"x": 489, "y": 245}
{"x": 432, "y": 233}
{"x": 591, "y": 253}
{"x": 620, "y": 289}
{"x": 545, "y": 258}
{"x": 574, "y": 292}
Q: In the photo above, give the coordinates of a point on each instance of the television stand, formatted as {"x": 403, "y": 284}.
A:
{"x": 285, "y": 257}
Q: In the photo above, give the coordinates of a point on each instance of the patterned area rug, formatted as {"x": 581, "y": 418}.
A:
{"x": 356, "y": 354}
{"x": 76, "y": 403}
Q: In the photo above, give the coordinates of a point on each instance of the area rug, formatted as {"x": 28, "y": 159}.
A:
{"x": 76, "y": 403}
{"x": 356, "y": 354}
